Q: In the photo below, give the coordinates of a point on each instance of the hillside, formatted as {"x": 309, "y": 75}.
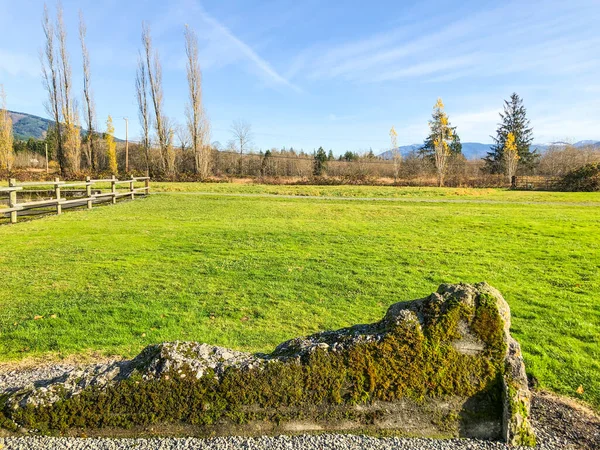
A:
{"x": 27, "y": 126}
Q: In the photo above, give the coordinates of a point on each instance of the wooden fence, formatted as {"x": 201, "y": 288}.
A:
{"x": 62, "y": 190}
{"x": 536, "y": 183}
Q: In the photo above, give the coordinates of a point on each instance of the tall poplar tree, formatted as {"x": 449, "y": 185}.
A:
{"x": 6, "y": 135}
{"x": 50, "y": 77}
{"x": 89, "y": 110}
{"x": 71, "y": 131}
{"x": 513, "y": 120}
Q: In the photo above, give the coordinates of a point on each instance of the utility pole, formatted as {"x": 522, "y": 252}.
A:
{"x": 126, "y": 144}
{"x": 46, "y": 157}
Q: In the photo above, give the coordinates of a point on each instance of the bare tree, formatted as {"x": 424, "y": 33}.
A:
{"x": 50, "y": 77}
{"x": 171, "y": 129}
{"x": 198, "y": 125}
{"x": 183, "y": 136}
{"x": 154, "y": 72}
{"x": 89, "y": 109}
{"x": 395, "y": 153}
{"x": 141, "y": 89}
{"x": 242, "y": 136}
{"x": 71, "y": 134}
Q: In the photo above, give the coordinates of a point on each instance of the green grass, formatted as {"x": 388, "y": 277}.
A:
{"x": 491, "y": 194}
{"x": 249, "y": 272}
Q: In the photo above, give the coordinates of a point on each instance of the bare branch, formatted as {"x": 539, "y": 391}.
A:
{"x": 50, "y": 77}
{"x": 141, "y": 89}
{"x": 89, "y": 107}
{"x": 72, "y": 136}
{"x": 198, "y": 124}
{"x": 154, "y": 72}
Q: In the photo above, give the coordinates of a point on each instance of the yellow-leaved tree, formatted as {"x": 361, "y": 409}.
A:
{"x": 6, "y": 134}
{"x": 395, "y": 153}
{"x": 442, "y": 134}
{"x": 111, "y": 146}
{"x": 511, "y": 156}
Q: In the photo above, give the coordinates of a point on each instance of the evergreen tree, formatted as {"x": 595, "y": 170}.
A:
{"x": 514, "y": 120}
{"x": 428, "y": 148}
{"x": 265, "y": 165}
{"x": 442, "y": 142}
{"x": 330, "y": 155}
{"x": 350, "y": 156}
{"x": 320, "y": 162}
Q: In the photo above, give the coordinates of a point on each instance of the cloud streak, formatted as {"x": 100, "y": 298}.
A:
{"x": 16, "y": 64}
{"x": 245, "y": 50}
{"x": 486, "y": 42}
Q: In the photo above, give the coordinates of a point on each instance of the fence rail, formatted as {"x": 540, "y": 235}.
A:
{"x": 59, "y": 192}
{"x": 536, "y": 183}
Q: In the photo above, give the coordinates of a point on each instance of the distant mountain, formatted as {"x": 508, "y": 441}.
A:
{"x": 471, "y": 150}
{"x": 579, "y": 144}
{"x": 476, "y": 150}
{"x": 586, "y": 143}
{"x": 404, "y": 150}
{"x": 27, "y": 126}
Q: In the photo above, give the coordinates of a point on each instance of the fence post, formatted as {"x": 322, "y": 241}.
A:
{"x": 147, "y": 185}
{"x": 12, "y": 200}
{"x": 113, "y": 189}
{"x": 88, "y": 191}
{"x": 57, "y": 193}
{"x": 131, "y": 187}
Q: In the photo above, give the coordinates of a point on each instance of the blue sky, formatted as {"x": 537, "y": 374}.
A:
{"x": 337, "y": 73}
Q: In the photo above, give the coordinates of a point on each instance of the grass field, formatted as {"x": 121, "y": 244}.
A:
{"x": 349, "y": 191}
{"x": 249, "y": 272}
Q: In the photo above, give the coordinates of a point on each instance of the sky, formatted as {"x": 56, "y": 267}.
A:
{"x": 337, "y": 74}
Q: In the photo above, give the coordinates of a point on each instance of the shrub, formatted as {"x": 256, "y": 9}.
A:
{"x": 584, "y": 179}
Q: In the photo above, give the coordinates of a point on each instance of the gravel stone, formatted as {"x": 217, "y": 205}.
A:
{"x": 305, "y": 442}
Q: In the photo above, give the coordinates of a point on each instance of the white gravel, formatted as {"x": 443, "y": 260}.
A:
{"x": 308, "y": 442}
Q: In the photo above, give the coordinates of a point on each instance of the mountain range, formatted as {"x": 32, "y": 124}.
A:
{"x": 27, "y": 126}
{"x": 476, "y": 150}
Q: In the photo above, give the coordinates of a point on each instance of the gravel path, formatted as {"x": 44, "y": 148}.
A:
{"x": 559, "y": 423}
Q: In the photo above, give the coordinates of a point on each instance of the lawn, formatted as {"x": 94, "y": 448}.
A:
{"x": 249, "y": 272}
{"x": 347, "y": 191}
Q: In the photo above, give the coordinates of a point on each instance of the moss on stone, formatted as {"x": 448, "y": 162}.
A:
{"x": 407, "y": 362}
{"x": 523, "y": 433}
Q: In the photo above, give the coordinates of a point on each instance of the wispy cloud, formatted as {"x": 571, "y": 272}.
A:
{"x": 262, "y": 65}
{"x": 427, "y": 68}
{"x": 487, "y": 42}
{"x": 16, "y": 64}
{"x": 220, "y": 46}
